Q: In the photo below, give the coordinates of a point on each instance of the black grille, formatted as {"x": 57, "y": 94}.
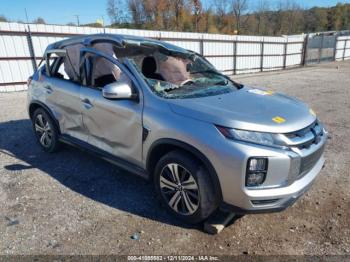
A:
{"x": 315, "y": 129}
{"x": 308, "y": 162}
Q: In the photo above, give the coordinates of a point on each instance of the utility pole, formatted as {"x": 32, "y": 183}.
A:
{"x": 25, "y": 11}
{"x": 77, "y": 17}
{"x": 103, "y": 20}
{"x": 103, "y": 24}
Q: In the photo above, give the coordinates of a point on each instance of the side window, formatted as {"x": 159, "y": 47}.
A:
{"x": 50, "y": 61}
{"x": 101, "y": 72}
{"x": 59, "y": 65}
{"x": 59, "y": 71}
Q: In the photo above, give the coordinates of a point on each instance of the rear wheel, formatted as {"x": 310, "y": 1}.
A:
{"x": 45, "y": 130}
{"x": 184, "y": 187}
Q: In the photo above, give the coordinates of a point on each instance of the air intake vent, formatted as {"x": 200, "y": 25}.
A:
{"x": 264, "y": 202}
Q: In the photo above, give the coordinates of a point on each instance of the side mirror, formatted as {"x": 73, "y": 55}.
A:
{"x": 118, "y": 90}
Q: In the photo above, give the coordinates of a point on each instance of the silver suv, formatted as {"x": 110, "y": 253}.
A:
{"x": 166, "y": 114}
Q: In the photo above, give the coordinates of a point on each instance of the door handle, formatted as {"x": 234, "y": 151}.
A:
{"x": 87, "y": 103}
{"x": 48, "y": 89}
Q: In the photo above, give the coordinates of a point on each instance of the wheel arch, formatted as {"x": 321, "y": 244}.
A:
{"x": 165, "y": 145}
{"x": 34, "y": 105}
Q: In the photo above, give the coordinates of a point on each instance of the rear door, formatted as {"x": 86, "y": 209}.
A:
{"x": 63, "y": 95}
{"x": 115, "y": 126}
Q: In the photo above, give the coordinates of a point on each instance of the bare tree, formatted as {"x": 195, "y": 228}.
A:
{"x": 197, "y": 10}
{"x": 261, "y": 16}
{"x": 136, "y": 8}
{"x": 222, "y": 8}
{"x": 3, "y": 18}
{"x": 115, "y": 11}
{"x": 288, "y": 17}
{"x": 239, "y": 7}
{"x": 39, "y": 20}
{"x": 293, "y": 16}
{"x": 178, "y": 6}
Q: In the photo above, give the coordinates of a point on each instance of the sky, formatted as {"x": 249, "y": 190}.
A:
{"x": 65, "y": 11}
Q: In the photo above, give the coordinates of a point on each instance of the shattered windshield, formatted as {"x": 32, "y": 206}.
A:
{"x": 175, "y": 74}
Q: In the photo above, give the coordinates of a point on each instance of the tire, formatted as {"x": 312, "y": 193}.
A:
{"x": 193, "y": 198}
{"x": 45, "y": 131}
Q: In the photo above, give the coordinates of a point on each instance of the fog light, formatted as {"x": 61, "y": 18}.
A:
{"x": 256, "y": 171}
{"x": 257, "y": 164}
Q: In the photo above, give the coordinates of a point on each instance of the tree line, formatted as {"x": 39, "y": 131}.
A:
{"x": 256, "y": 17}
{"x": 228, "y": 16}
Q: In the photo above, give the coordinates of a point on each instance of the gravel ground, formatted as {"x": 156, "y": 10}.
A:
{"x": 71, "y": 202}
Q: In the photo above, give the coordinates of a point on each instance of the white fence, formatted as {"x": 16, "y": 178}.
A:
{"x": 342, "y": 48}
{"x": 23, "y": 45}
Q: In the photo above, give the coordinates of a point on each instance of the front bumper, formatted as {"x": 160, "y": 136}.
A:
{"x": 280, "y": 189}
{"x": 284, "y": 197}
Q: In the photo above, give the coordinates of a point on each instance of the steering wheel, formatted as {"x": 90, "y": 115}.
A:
{"x": 187, "y": 82}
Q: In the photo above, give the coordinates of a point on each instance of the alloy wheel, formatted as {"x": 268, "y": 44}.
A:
{"x": 179, "y": 189}
{"x": 43, "y": 130}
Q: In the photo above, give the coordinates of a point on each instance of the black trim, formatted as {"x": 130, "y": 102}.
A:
{"x": 145, "y": 133}
{"x": 239, "y": 210}
{"x": 124, "y": 164}
{"x": 191, "y": 149}
{"x": 281, "y": 207}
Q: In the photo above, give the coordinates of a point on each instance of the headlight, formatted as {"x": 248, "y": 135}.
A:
{"x": 260, "y": 138}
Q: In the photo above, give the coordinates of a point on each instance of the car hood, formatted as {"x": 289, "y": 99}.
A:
{"x": 248, "y": 109}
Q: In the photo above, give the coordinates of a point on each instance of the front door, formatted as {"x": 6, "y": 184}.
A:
{"x": 115, "y": 126}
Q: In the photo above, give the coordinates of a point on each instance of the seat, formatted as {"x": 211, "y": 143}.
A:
{"x": 104, "y": 80}
{"x": 149, "y": 68}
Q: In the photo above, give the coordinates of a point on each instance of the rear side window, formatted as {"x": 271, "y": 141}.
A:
{"x": 50, "y": 61}
{"x": 59, "y": 70}
{"x": 60, "y": 65}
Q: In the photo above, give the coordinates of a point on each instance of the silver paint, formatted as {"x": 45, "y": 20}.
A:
{"x": 116, "y": 126}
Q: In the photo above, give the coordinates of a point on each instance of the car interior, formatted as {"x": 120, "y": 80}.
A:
{"x": 151, "y": 63}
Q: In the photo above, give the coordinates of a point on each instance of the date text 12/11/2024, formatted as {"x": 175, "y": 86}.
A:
{"x": 173, "y": 258}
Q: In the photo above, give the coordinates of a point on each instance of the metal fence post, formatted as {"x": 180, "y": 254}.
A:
{"x": 235, "y": 57}
{"x": 304, "y": 51}
{"x": 320, "y": 49}
{"x": 31, "y": 49}
{"x": 285, "y": 54}
{"x": 262, "y": 56}
{"x": 335, "y": 48}
{"x": 344, "y": 50}
{"x": 201, "y": 46}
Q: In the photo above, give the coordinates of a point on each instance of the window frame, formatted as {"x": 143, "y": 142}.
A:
{"x": 86, "y": 81}
{"x": 49, "y": 66}
{"x": 52, "y": 68}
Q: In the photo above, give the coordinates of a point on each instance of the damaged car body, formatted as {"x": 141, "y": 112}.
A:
{"x": 166, "y": 114}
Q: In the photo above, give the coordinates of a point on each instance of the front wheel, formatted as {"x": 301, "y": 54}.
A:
{"x": 184, "y": 187}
